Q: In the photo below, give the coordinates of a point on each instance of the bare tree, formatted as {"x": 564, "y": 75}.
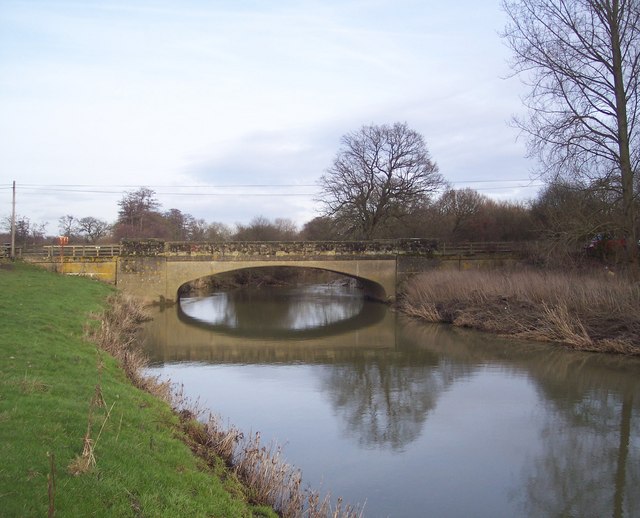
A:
{"x": 68, "y": 226}
{"x": 320, "y": 228}
{"x": 581, "y": 61}
{"x": 93, "y": 229}
{"x": 217, "y": 231}
{"x": 136, "y": 206}
{"x": 179, "y": 224}
{"x": 197, "y": 229}
{"x": 27, "y": 232}
{"x": 572, "y": 213}
{"x": 459, "y": 206}
{"x": 262, "y": 229}
{"x": 378, "y": 172}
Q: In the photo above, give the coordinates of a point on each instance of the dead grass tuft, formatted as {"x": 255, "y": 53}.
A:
{"x": 86, "y": 461}
{"x": 32, "y": 385}
{"x": 262, "y": 469}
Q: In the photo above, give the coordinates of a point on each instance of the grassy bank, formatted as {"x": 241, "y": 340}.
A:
{"x": 76, "y": 437}
{"x": 591, "y": 312}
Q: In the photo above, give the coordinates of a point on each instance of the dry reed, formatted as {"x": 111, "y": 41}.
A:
{"x": 593, "y": 312}
{"x": 269, "y": 479}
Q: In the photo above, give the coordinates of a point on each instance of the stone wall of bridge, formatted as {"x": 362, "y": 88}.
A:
{"x": 160, "y": 278}
{"x": 155, "y": 270}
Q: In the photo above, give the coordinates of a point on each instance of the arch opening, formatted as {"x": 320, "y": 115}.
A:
{"x": 280, "y": 275}
{"x": 283, "y": 302}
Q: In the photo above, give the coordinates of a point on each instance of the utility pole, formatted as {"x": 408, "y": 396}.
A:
{"x": 13, "y": 224}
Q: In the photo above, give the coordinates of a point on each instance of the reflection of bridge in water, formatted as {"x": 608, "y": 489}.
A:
{"x": 172, "y": 338}
{"x": 287, "y": 313}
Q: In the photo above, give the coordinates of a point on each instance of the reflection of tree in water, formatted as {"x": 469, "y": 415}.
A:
{"x": 214, "y": 309}
{"x": 590, "y": 462}
{"x": 328, "y": 306}
{"x": 590, "y": 465}
{"x": 385, "y": 403}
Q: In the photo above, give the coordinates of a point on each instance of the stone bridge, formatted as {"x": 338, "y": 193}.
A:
{"x": 155, "y": 270}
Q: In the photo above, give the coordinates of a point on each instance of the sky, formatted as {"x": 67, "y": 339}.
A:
{"x": 233, "y": 109}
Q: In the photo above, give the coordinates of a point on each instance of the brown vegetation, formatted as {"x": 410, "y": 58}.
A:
{"x": 262, "y": 469}
{"x": 590, "y": 312}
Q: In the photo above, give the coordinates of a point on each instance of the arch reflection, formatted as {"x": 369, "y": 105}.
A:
{"x": 281, "y": 312}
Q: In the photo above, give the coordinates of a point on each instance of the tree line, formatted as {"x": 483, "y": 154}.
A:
{"x": 562, "y": 212}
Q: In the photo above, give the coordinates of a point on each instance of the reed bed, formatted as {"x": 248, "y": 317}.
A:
{"x": 262, "y": 469}
{"x": 592, "y": 312}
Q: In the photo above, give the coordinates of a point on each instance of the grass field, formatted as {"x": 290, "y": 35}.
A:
{"x": 76, "y": 438}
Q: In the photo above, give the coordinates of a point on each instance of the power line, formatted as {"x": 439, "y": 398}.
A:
{"x": 237, "y": 185}
{"x": 269, "y": 190}
{"x": 236, "y": 194}
{"x": 137, "y": 186}
{"x": 205, "y": 190}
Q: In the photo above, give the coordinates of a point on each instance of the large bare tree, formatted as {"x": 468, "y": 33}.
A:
{"x": 581, "y": 61}
{"x": 377, "y": 174}
{"x": 93, "y": 229}
{"x": 138, "y": 211}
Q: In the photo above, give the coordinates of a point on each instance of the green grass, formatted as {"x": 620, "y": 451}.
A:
{"x": 49, "y": 377}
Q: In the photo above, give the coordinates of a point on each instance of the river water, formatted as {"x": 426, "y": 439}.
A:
{"x": 405, "y": 418}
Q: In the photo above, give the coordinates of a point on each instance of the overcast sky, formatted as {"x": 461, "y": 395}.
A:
{"x": 234, "y": 109}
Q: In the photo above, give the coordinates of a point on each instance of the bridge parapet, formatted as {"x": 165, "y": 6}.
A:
{"x": 261, "y": 250}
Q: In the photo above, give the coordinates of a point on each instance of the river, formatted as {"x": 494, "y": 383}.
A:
{"x": 405, "y": 418}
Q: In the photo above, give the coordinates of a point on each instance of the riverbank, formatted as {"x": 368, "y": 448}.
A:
{"x": 76, "y": 437}
{"x": 597, "y": 312}
{"x": 266, "y": 476}
{"x": 83, "y": 432}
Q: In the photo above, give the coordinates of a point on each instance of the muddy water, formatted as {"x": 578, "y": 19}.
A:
{"x": 406, "y": 418}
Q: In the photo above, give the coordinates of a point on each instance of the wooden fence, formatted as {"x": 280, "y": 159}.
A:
{"x": 76, "y": 251}
{"x": 474, "y": 248}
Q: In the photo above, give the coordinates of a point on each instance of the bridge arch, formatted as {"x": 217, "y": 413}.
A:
{"x": 158, "y": 278}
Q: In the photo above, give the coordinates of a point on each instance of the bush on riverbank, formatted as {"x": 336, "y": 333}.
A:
{"x": 591, "y": 312}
